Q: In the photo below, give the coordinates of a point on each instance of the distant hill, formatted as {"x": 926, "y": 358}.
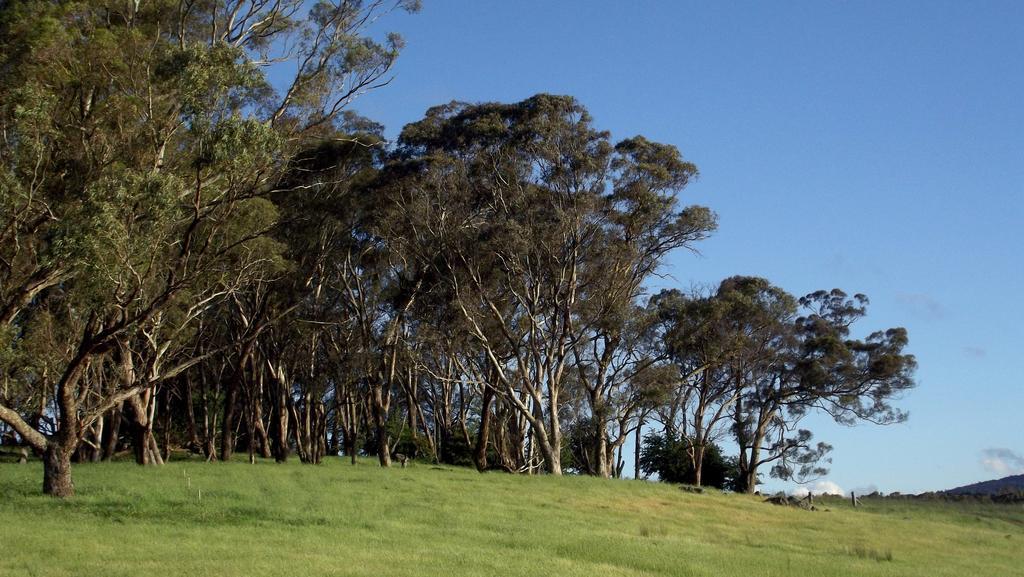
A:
{"x": 995, "y": 487}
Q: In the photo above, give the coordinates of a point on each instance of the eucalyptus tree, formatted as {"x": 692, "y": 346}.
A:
{"x": 511, "y": 191}
{"x": 793, "y": 364}
{"x": 622, "y": 375}
{"x": 642, "y": 223}
{"x": 295, "y": 364}
{"x": 715, "y": 341}
{"x": 140, "y": 143}
{"x": 700, "y": 341}
{"x": 543, "y": 232}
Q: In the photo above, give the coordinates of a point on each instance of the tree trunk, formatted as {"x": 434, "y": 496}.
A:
{"x": 147, "y": 451}
{"x": 263, "y": 440}
{"x": 209, "y": 428}
{"x": 90, "y": 450}
{"x": 350, "y": 445}
{"x": 281, "y": 447}
{"x": 140, "y": 443}
{"x": 480, "y": 451}
{"x": 281, "y": 413}
{"x": 349, "y": 415}
{"x": 165, "y": 450}
{"x": 698, "y": 463}
{"x": 335, "y": 427}
{"x": 637, "y": 444}
{"x": 57, "y": 472}
{"x": 749, "y": 473}
{"x": 619, "y": 463}
{"x": 380, "y": 423}
{"x": 297, "y": 431}
{"x": 750, "y": 486}
{"x": 383, "y": 444}
{"x": 227, "y": 444}
{"x": 155, "y": 456}
{"x": 320, "y": 431}
{"x": 259, "y": 429}
{"x": 143, "y": 413}
{"x": 604, "y": 465}
{"x": 194, "y": 444}
{"x": 551, "y": 444}
{"x": 411, "y": 402}
{"x": 227, "y": 440}
{"x": 111, "y": 433}
{"x": 307, "y": 428}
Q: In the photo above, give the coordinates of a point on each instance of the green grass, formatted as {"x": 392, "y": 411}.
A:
{"x": 336, "y": 519}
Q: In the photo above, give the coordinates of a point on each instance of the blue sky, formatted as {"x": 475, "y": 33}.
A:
{"x": 873, "y": 146}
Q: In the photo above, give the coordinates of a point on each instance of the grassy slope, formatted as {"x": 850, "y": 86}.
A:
{"x": 336, "y": 519}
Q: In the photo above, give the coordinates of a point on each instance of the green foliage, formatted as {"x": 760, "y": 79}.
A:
{"x": 670, "y": 459}
{"x": 579, "y": 440}
{"x": 8, "y": 353}
{"x": 235, "y": 145}
{"x": 414, "y": 447}
{"x": 211, "y": 79}
{"x": 454, "y": 450}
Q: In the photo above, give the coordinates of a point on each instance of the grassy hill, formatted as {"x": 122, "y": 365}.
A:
{"x": 236, "y": 519}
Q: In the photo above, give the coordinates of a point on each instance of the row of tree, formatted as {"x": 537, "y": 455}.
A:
{"x": 194, "y": 257}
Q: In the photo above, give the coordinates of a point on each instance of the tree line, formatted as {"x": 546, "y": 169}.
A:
{"x": 203, "y": 247}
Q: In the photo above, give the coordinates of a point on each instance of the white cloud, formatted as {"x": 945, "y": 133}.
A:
{"x": 823, "y": 487}
{"x": 1002, "y": 461}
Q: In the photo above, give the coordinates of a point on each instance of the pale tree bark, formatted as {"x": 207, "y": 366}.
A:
{"x": 282, "y": 411}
